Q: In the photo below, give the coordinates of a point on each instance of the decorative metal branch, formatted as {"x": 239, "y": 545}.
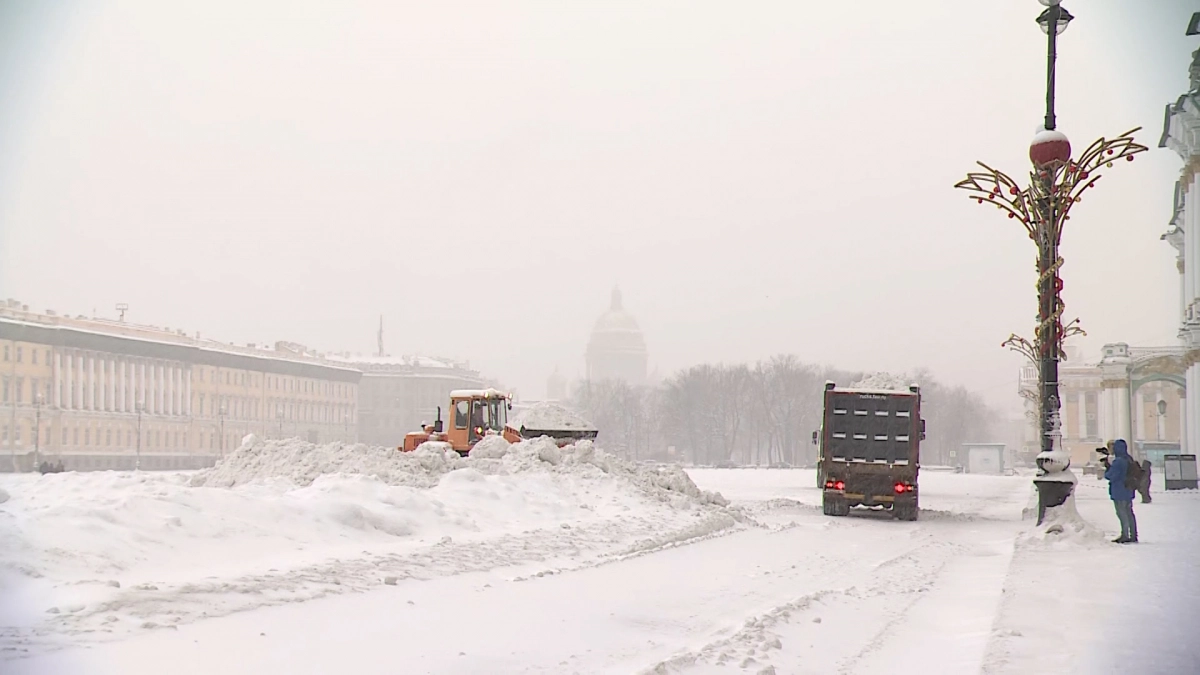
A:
{"x": 997, "y": 188}
{"x": 1022, "y": 346}
{"x": 1059, "y": 185}
{"x": 1031, "y": 349}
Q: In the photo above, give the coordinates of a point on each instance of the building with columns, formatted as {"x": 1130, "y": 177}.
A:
{"x": 1181, "y": 133}
{"x": 1131, "y": 393}
{"x": 93, "y": 392}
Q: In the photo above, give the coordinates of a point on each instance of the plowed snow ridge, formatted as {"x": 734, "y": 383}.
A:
{"x": 288, "y": 521}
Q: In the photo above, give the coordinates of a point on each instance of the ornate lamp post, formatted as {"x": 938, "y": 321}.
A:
{"x": 1056, "y": 183}
{"x": 221, "y": 415}
{"x": 37, "y": 430}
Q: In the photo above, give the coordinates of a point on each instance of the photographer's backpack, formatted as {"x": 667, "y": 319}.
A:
{"x": 1134, "y": 475}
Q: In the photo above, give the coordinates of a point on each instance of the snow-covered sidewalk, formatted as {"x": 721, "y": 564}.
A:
{"x": 1096, "y": 607}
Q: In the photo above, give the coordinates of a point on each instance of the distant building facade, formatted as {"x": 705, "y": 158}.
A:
{"x": 92, "y": 392}
{"x": 1181, "y": 133}
{"x": 397, "y": 394}
{"x": 1128, "y": 393}
{"x": 617, "y": 348}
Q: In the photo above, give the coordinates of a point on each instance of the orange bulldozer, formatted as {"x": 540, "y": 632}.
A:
{"x": 478, "y": 413}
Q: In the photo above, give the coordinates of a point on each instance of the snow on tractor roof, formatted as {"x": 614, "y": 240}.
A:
{"x": 478, "y": 393}
{"x": 546, "y": 416}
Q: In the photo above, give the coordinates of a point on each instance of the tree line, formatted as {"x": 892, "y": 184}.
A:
{"x": 763, "y": 413}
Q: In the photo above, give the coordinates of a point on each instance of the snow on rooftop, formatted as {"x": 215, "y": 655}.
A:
{"x": 479, "y": 393}
{"x": 412, "y": 361}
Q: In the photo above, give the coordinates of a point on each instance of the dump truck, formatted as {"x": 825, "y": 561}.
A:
{"x": 478, "y": 413}
{"x": 870, "y": 450}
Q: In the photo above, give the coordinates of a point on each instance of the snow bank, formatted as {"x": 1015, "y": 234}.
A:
{"x": 288, "y": 521}
{"x": 1064, "y": 528}
{"x": 545, "y": 416}
{"x": 302, "y": 463}
{"x": 883, "y": 382}
{"x": 490, "y": 447}
{"x": 3, "y": 496}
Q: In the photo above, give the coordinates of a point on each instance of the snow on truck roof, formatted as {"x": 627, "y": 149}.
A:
{"x": 879, "y": 383}
{"x": 867, "y": 390}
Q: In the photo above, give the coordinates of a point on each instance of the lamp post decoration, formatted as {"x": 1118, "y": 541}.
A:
{"x": 1056, "y": 183}
{"x": 37, "y": 431}
{"x": 1032, "y": 352}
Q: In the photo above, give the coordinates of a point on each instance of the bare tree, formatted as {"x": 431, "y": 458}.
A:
{"x": 761, "y": 414}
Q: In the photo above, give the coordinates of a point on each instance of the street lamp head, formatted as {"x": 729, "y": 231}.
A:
{"x": 1049, "y": 148}
{"x": 1055, "y": 15}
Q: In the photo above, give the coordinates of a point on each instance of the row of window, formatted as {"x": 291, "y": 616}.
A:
{"x": 86, "y": 437}
{"x": 241, "y": 408}
{"x": 231, "y": 377}
{"x": 12, "y": 390}
{"x": 242, "y": 378}
{"x": 20, "y": 354}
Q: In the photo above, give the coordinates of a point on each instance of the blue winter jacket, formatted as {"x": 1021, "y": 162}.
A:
{"x": 1118, "y": 468}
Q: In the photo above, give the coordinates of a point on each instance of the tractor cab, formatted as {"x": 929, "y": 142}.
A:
{"x": 473, "y": 414}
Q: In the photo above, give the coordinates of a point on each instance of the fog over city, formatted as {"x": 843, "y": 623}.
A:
{"x": 582, "y": 336}
{"x": 757, "y": 180}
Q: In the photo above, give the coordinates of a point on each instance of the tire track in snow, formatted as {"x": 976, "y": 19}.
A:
{"x": 877, "y": 583}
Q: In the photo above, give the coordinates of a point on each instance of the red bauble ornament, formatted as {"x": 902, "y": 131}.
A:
{"x": 1049, "y": 147}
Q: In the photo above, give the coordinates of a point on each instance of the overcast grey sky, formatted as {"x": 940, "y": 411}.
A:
{"x": 757, "y": 177}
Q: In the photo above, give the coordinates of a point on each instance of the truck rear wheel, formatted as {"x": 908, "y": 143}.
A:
{"x": 905, "y": 511}
{"x": 833, "y": 505}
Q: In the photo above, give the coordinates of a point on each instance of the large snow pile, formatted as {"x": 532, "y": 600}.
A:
{"x": 302, "y": 463}
{"x": 883, "y": 382}
{"x": 546, "y": 416}
{"x": 286, "y": 521}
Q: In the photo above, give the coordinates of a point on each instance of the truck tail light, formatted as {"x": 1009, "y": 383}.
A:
{"x": 841, "y": 485}
{"x": 835, "y": 485}
{"x": 901, "y": 488}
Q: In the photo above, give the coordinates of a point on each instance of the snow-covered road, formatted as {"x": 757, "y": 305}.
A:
{"x": 578, "y": 570}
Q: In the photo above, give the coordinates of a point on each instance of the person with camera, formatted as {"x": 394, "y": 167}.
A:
{"x": 1120, "y": 491}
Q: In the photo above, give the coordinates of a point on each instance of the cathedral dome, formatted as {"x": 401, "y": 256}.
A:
{"x": 617, "y": 330}
{"x": 617, "y": 348}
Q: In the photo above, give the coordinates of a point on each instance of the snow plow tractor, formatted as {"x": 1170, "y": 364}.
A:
{"x": 478, "y": 413}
